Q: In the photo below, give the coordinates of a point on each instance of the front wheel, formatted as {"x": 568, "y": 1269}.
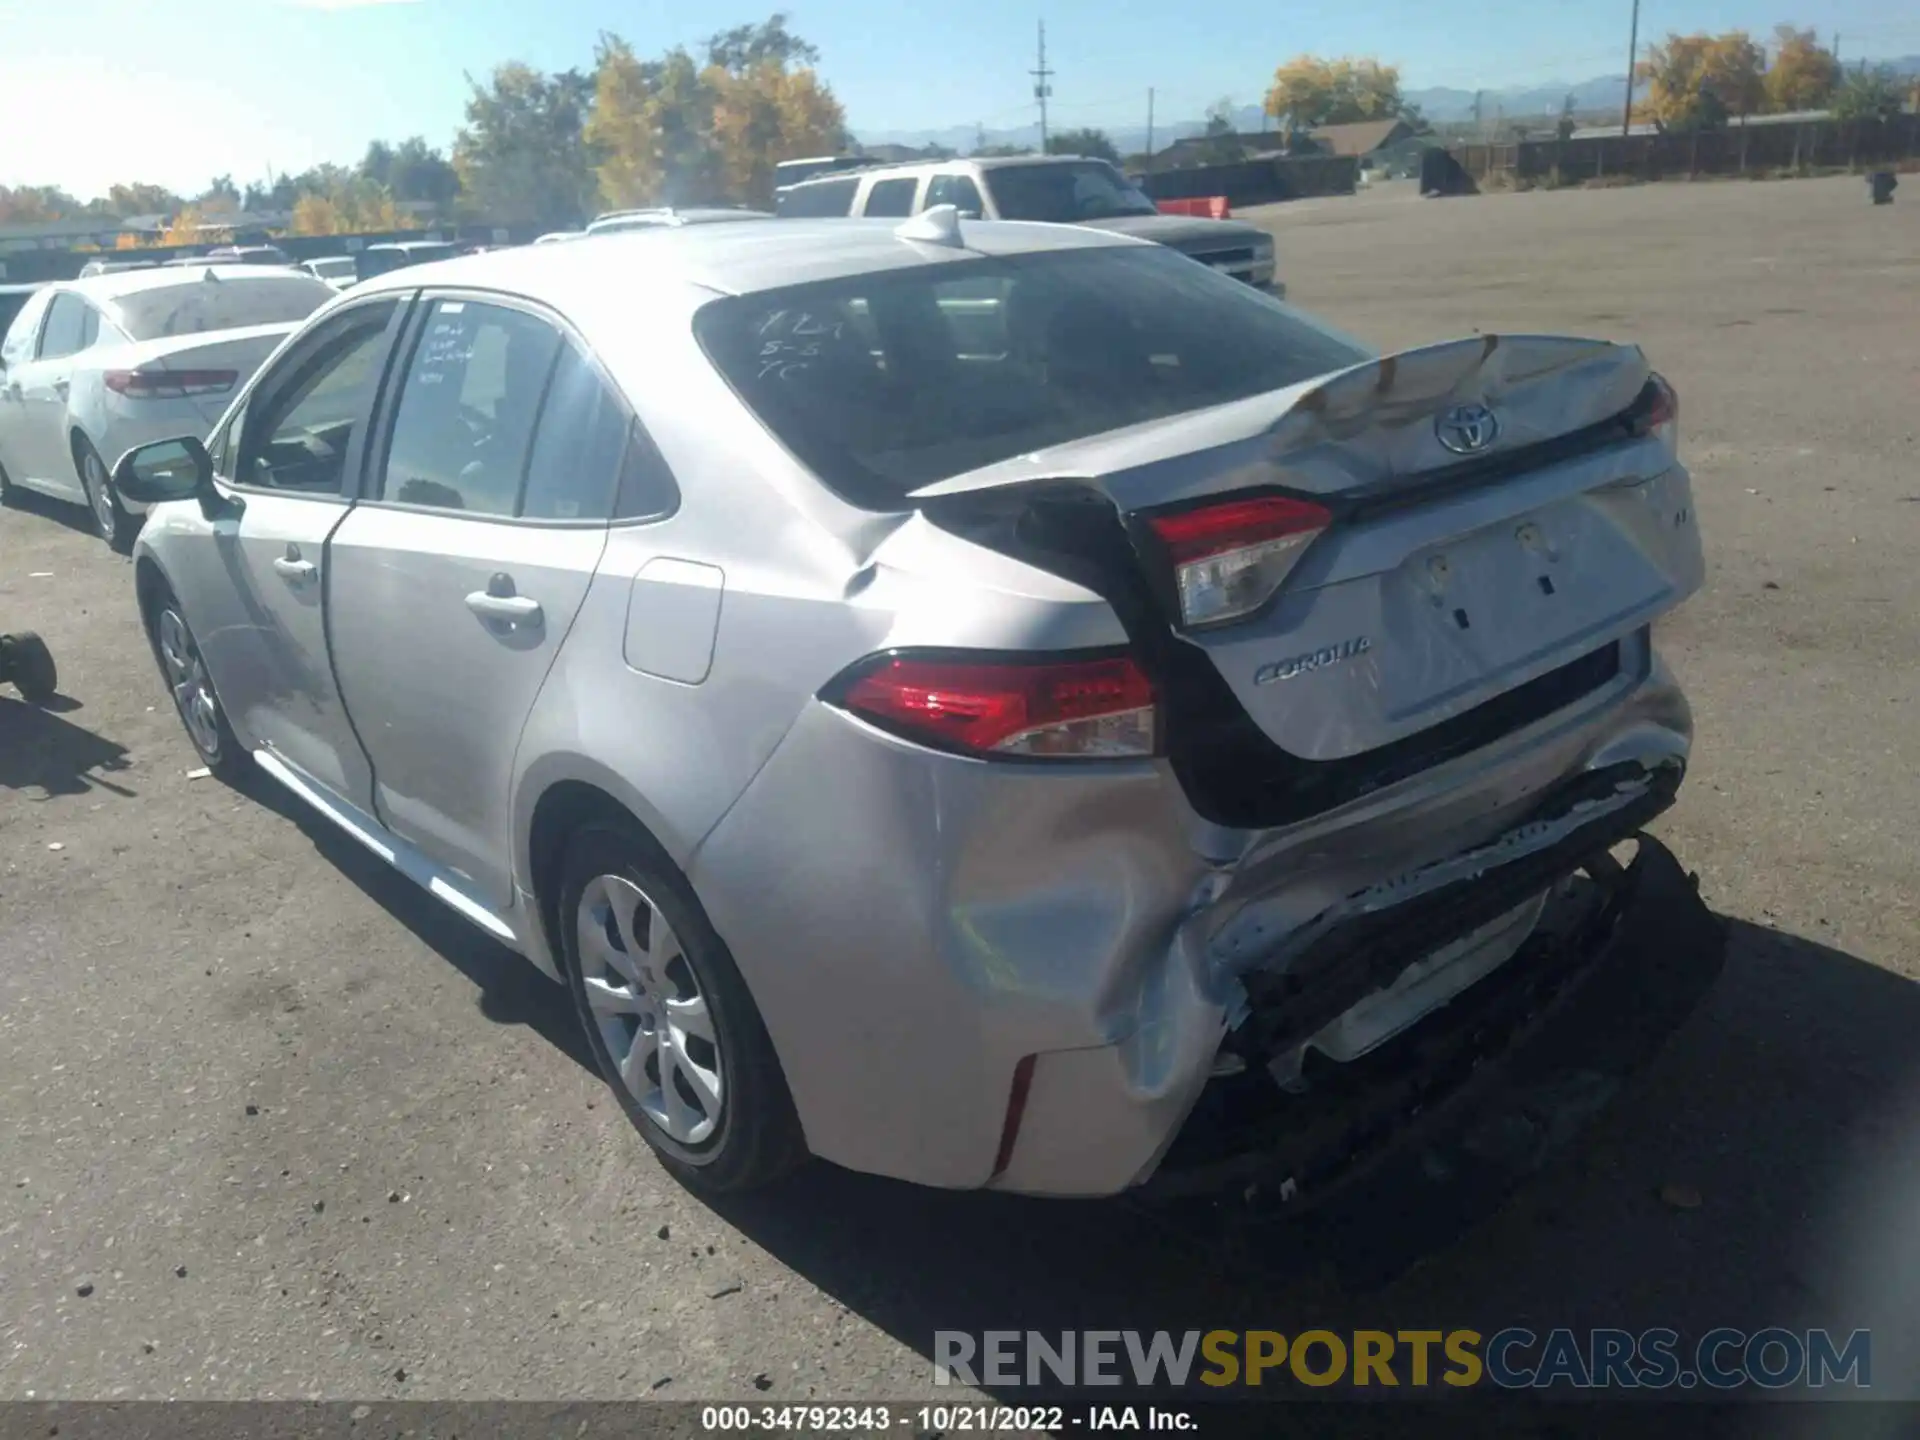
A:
{"x": 110, "y": 518}
{"x": 194, "y": 697}
{"x": 671, "y": 1025}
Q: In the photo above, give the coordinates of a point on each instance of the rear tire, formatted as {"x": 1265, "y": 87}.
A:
{"x": 115, "y": 525}
{"x": 194, "y": 698}
{"x": 672, "y": 1026}
{"x": 25, "y": 660}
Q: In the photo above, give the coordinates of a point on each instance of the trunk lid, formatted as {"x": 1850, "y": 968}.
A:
{"x": 1444, "y": 580}
{"x": 241, "y": 351}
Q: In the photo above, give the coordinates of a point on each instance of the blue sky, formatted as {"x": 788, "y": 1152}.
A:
{"x": 176, "y": 91}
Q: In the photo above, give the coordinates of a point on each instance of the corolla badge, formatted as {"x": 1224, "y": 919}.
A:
{"x": 1296, "y": 665}
{"x": 1467, "y": 429}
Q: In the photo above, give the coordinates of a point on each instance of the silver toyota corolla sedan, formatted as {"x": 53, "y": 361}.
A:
{"x": 970, "y": 701}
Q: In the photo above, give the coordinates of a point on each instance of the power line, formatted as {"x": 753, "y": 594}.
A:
{"x": 1042, "y": 86}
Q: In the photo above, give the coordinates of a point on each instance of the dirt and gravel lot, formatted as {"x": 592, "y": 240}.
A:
{"x": 302, "y": 1133}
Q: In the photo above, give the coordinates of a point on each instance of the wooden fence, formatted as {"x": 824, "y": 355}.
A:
{"x": 1738, "y": 150}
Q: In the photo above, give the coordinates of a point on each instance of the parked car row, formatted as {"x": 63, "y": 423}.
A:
{"x": 992, "y": 704}
{"x": 91, "y": 368}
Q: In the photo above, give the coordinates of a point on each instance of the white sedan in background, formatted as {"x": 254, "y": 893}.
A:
{"x": 91, "y": 368}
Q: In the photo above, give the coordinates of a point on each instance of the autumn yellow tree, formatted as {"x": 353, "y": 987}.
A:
{"x": 650, "y": 128}
{"x": 767, "y": 114}
{"x": 672, "y": 131}
{"x": 317, "y": 215}
{"x": 1696, "y": 82}
{"x": 1804, "y": 74}
{"x": 186, "y": 228}
{"x": 1308, "y": 91}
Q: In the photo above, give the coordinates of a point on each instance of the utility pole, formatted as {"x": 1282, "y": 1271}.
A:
{"x": 1042, "y": 86}
{"x": 1633, "y": 55}
{"x": 1149, "y": 125}
{"x": 1479, "y": 124}
{"x": 1836, "y": 49}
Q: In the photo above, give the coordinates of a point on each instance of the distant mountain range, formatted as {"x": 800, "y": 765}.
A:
{"x": 1440, "y": 104}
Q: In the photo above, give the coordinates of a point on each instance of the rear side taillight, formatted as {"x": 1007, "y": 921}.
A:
{"x": 1229, "y": 558}
{"x": 170, "y": 384}
{"x": 1094, "y": 709}
{"x": 1657, "y": 411}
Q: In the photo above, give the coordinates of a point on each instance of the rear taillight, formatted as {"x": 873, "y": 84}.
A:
{"x": 170, "y": 384}
{"x": 1229, "y": 559}
{"x": 1044, "y": 709}
{"x": 1657, "y": 411}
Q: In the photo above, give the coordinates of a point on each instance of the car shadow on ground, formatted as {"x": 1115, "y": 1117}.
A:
{"x": 512, "y": 991}
{"x": 68, "y": 513}
{"x": 39, "y": 750}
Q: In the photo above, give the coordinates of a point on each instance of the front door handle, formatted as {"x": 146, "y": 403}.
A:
{"x": 297, "y": 570}
{"x": 510, "y": 609}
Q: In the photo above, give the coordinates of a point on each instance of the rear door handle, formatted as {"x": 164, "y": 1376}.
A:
{"x": 298, "y": 571}
{"x": 510, "y": 609}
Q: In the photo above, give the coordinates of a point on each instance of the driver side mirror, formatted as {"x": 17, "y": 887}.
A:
{"x": 164, "y": 470}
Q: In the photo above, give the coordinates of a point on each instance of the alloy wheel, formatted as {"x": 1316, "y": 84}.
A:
{"x": 99, "y": 491}
{"x": 650, "y": 1011}
{"x": 192, "y": 689}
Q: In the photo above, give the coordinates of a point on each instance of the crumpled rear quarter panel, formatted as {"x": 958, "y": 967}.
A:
{"x": 912, "y": 924}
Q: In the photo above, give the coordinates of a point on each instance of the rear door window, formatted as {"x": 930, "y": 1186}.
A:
{"x": 579, "y": 445}
{"x": 66, "y": 330}
{"x": 958, "y": 191}
{"x": 892, "y": 197}
{"x": 819, "y": 200}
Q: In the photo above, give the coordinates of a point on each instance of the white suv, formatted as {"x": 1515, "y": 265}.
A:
{"x": 1063, "y": 189}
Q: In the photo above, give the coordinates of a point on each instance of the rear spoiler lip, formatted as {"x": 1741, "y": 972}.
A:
{"x": 1380, "y": 498}
{"x": 1283, "y": 407}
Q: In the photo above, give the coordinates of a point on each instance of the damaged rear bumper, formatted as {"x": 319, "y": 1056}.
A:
{"x": 1487, "y": 1083}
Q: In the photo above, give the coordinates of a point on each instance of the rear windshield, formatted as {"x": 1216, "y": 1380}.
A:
{"x": 198, "y": 304}
{"x": 886, "y": 382}
{"x": 339, "y": 267}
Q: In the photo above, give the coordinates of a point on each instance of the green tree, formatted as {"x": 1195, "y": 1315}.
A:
{"x": 746, "y": 47}
{"x": 1870, "y": 94}
{"x": 415, "y": 171}
{"x": 523, "y": 156}
{"x": 1094, "y": 144}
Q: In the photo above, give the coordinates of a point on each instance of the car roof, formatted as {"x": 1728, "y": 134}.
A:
{"x": 984, "y": 162}
{"x": 161, "y": 277}
{"x": 411, "y": 245}
{"x": 729, "y": 259}
{"x": 669, "y": 215}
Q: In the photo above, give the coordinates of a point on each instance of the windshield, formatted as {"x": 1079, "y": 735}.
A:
{"x": 379, "y": 259}
{"x": 340, "y": 268}
{"x": 886, "y": 382}
{"x": 1064, "y": 194}
{"x": 194, "y": 306}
